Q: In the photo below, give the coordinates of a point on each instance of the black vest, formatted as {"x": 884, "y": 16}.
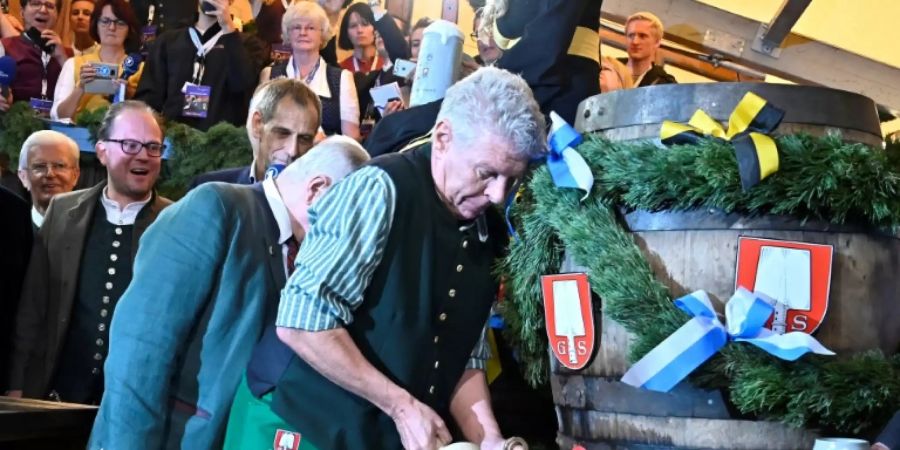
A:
{"x": 104, "y": 274}
{"x": 331, "y": 107}
{"x": 421, "y": 317}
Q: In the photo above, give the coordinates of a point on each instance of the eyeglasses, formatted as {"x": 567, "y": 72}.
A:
{"x": 306, "y": 28}
{"x": 473, "y": 35}
{"x": 106, "y": 22}
{"x": 42, "y": 169}
{"x": 132, "y": 147}
{"x": 37, "y": 4}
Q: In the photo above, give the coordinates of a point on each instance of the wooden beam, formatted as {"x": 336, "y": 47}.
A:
{"x": 681, "y": 59}
{"x": 450, "y": 10}
{"x": 713, "y": 31}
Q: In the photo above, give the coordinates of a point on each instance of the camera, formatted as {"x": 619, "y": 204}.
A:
{"x": 36, "y": 37}
{"x": 103, "y": 71}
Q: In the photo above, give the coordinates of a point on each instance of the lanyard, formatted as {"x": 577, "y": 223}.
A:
{"x": 151, "y": 13}
{"x": 45, "y": 60}
{"x": 371, "y": 68}
{"x": 294, "y": 72}
{"x": 202, "y": 50}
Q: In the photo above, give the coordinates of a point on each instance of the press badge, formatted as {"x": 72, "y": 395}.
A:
{"x": 280, "y": 53}
{"x": 196, "y": 100}
{"x": 42, "y": 106}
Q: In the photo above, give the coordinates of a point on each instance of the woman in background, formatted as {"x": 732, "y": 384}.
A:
{"x": 307, "y": 30}
{"x": 115, "y": 27}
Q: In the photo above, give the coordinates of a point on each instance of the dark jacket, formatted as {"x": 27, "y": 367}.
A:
{"x": 49, "y": 291}
{"x": 16, "y": 235}
{"x": 237, "y": 175}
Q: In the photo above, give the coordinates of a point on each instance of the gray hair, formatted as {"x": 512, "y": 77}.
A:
{"x": 496, "y": 102}
{"x": 275, "y": 90}
{"x": 47, "y": 138}
{"x": 309, "y": 10}
{"x": 336, "y": 157}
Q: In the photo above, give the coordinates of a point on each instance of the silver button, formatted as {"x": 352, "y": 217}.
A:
{"x": 98, "y": 356}
{"x": 437, "y": 364}
{"x": 436, "y": 339}
{"x": 95, "y": 371}
{"x": 465, "y": 244}
{"x": 105, "y": 299}
{"x": 114, "y": 257}
{"x": 118, "y": 231}
{"x": 443, "y": 317}
{"x": 108, "y": 286}
{"x": 452, "y": 293}
{"x": 117, "y": 244}
{"x": 101, "y": 327}
{"x": 459, "y": 268}
{"x": 111, "y": 271}
{"x": 99, "y": 342}
{"x": 104, "y": 313}
{"x": 431, "y": 389}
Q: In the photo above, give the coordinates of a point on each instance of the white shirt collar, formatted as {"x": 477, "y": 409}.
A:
{"x": 122, "y": 216}
{"x": 279, "y": 210}
{"x": 319, "y": 83}
{"x": 36, "y": 218}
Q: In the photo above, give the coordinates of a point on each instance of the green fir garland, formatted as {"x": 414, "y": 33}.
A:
{"x": 821, "y": 178}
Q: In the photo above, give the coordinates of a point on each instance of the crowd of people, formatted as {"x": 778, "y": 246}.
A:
{"x": 335, "y": 293}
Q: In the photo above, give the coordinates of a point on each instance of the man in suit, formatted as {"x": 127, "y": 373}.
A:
{"x": 81, "y": 263}
{"x": 214, "y": 287}
{"x": 48, "y": 166}
{"x": 281, "y": 135}
{"x": 16, "y": 232}
{"x": 644, "y": 32}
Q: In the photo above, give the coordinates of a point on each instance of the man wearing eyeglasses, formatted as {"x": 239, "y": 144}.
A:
{"x": 39, "y": 55}
{"x": 48, "y": 166}
{"x": 81, "y": 264}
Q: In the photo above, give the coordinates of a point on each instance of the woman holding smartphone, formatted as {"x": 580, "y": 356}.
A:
{"x": 115, "y": 27}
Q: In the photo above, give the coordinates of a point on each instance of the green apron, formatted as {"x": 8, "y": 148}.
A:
{"x": 253, "y": 426}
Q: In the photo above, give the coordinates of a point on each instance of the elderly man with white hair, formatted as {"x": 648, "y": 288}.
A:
{"x": 48, "y": 165}
{"x": 205, "y": 285}
{"x": 387, "y": 310}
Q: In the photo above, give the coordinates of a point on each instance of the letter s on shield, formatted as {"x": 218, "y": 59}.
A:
{"x": 569, "y": 318}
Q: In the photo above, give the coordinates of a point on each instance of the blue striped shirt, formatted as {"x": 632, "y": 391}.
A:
{"x": 348, "y": 232}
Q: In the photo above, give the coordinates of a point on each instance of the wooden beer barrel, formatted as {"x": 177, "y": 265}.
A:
{"x": 698, "y": 250}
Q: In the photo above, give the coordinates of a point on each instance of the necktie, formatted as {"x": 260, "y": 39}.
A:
{"x": 293, "y": 247}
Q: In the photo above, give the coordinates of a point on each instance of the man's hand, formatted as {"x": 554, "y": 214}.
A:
{"x": 420, "y": 428}
{"x": 59, "y": 51}
{"x": 392, "y": 107}
{"x": 223, "y": 15}
{"x": 5, "y": 102}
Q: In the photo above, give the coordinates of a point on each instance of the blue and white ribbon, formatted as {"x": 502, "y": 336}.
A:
{"x": 567, "y": 168}
{"x": 701, "y": 337}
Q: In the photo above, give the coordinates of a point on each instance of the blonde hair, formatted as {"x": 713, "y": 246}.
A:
{"x": 309, "y": 10}
{"x": 610, "y": 63}
{"x": 655, "y": 23}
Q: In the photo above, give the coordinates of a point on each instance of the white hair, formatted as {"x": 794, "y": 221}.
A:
{"x": 335, "y": 157}
{"x": 498, "y": 103}
{"x": 308, "y": 10}
{"x": 47, "y": 138}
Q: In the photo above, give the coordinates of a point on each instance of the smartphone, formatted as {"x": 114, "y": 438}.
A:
{"x": 404, "y": 68}
{"x": 207, "y": 8}
{"x": 103, "y": 79}
{"x": 35, "y": 35}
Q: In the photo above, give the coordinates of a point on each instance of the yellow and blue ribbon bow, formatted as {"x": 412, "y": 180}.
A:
{"x": 750, "y": 122}
{"x": 567, "y": 167}
{"x": 701, "y": 337}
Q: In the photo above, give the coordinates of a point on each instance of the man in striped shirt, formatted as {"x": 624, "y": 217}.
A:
{"x": 392, "y": 289}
